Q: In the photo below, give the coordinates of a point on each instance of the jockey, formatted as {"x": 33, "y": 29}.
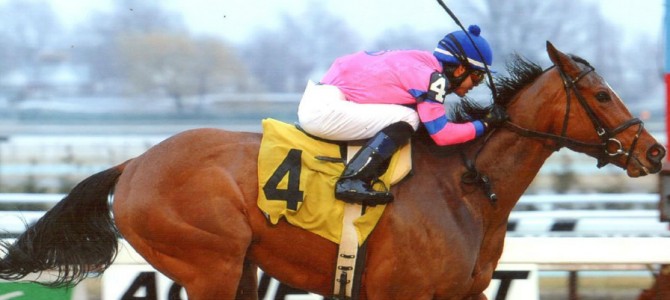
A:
{"x": 384, "y": 96}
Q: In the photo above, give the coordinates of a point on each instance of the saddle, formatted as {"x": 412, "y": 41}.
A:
{"x": 296, "y": 180}
{"x": 297, "y": 175}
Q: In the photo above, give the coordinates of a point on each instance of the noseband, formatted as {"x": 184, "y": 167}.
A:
{"x": 608, "y": 138}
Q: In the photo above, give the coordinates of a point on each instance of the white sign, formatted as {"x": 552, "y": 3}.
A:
{"x": 141, "y": 281}
{"x": 138, "y": 282}
{"x": 514, "y": 281}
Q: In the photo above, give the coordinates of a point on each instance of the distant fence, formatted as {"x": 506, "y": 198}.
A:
{"x": 566, "y": 215}
{"x": 546, "y": 232}
{"x": 587, "y": 215}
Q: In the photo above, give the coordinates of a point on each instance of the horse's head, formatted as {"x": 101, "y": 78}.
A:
{"x": 576, "y": 108}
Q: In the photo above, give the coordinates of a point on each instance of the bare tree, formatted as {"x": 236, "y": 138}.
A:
{"x": 217, "y": 68}
{"x": 28, "y": 29}
{"x": 178, "y": 66}
{"x": 131, "y": 16}
{"x": 98, "y": 44}
{"x": 407, "y": 38}
{"x": 302, "y": 47}
{"x": 522, "y": 26}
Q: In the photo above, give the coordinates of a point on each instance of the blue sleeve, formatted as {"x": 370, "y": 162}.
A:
{"x": 479, "y": 128}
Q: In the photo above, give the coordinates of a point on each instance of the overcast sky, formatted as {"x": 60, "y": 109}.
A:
{"x": 237, "y": 19}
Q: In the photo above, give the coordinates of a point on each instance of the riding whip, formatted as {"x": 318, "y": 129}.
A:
{"x": 492, "y": 86}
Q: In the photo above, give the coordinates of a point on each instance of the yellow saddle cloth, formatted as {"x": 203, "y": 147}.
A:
{"x": 297, "y": 183}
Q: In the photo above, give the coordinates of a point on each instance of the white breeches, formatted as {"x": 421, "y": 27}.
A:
{"x": 325, "y": 113}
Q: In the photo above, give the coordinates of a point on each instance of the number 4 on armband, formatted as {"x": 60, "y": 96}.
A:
{"x": 291, "y": 166}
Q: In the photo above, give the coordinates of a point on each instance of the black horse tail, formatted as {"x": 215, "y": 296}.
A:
{"x": 76, "y": 238}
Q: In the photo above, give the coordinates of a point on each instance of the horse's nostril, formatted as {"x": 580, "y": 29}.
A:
{"x": 656, "y": 153}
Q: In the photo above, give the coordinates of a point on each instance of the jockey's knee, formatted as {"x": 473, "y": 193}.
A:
{"x": 399, "y": 132}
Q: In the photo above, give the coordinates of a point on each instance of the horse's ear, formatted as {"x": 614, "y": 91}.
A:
{"x": 561, "y": 60}
{"x": 553, "y": 52}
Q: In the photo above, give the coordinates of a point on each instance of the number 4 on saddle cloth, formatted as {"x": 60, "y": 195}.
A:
{"x": 297, "y": 183}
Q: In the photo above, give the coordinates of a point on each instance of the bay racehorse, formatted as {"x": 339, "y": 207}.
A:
{"x": 188, "y": 204}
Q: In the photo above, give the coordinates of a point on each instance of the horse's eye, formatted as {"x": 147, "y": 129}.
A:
{"x": 603, "y": 97}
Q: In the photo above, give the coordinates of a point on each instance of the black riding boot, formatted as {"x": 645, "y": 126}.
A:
{"x": 363, "y": 171}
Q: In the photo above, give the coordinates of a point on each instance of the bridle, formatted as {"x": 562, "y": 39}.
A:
{"x": 608, "y": 138}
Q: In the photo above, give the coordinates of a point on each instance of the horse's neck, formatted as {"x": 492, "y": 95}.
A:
{"x": 511, "y": 162}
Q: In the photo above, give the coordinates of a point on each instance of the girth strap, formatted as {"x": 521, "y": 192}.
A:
{"x": 349, "y": 264}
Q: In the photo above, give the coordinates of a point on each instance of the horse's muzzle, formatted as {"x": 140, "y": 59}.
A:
{"x": 655, "y": 155}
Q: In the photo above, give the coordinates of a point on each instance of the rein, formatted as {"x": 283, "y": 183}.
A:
{"x": 607, "y": 137}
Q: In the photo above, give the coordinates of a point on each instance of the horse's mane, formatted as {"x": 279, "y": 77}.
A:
{"x": 521, "y": 72}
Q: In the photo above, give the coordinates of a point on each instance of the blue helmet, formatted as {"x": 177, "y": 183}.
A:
{"x": 456, "y": 48}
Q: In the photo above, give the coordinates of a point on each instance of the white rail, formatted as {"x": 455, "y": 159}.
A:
{"x": 550, "y": 217}
{"x": 548, "y": 199}
{"x": 593, "y": 239}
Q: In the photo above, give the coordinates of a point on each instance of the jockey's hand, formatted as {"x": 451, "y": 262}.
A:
{"x": 496, "y": 117}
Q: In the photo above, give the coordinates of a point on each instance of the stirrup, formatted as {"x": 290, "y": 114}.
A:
{"x": 366, "y": 196}
{"x": 379, "y": 181}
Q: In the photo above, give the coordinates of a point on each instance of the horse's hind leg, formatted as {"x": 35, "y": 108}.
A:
{"x": 203, "y": 275}
{"x": 197, "y": 235}
{"x": 210, "y": 286}
{"x": 248, "y": 287}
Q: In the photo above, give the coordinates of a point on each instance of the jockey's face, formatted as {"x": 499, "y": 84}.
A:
{"x": 475, "y": 77}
